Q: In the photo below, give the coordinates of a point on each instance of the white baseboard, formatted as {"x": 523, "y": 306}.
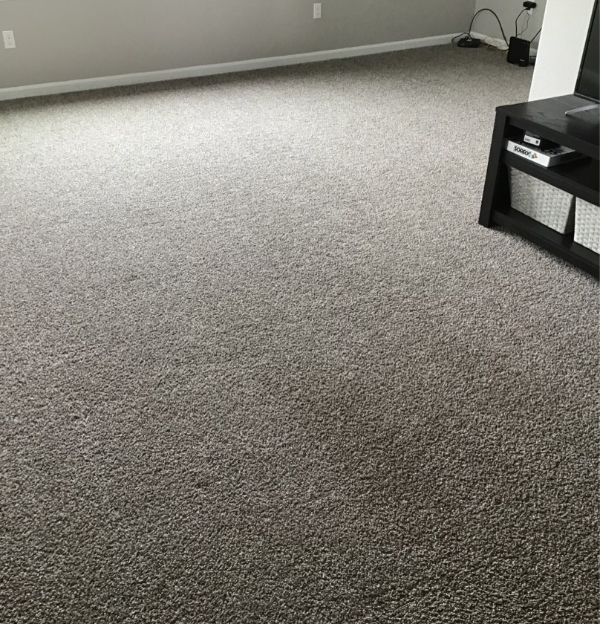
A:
{"x": 69, "y": 86}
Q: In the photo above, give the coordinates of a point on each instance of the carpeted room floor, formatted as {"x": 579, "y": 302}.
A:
{"x": 263, "y": 366}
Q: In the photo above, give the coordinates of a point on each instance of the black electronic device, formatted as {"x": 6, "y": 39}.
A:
{"x": 518, "y": 51}
{"x": 537, "y": 141}
{"x": 469, "y": 42}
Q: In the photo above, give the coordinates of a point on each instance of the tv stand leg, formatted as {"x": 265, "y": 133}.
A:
{"x": 495, "y": 192}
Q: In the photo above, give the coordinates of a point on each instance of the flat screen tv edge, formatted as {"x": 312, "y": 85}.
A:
{"x": 588, "y": 80}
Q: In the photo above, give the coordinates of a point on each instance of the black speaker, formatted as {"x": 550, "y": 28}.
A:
{"x": 518, "y": 51}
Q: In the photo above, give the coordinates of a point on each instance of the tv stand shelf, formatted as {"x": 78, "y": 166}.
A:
{"x": 581, "y": 178}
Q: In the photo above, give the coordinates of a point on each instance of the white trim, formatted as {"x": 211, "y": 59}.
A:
{"x": 49, "y": 88}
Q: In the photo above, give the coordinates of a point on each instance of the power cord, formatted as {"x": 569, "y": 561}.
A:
{"x": 525, "y": 27}
{"x": 517, "y": 33}
{"x": 517, "y": 22}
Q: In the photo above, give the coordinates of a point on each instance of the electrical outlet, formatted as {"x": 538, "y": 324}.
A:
{"x": 9, "y": 39}
{"x": 317, "y": 10}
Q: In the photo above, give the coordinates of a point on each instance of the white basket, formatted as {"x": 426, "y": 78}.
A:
{"x": 587, "y": 225}
{"x": 542, "y": 202}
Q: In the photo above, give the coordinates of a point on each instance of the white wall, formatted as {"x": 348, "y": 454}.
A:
{"x": 60, "y": 40}
{"x": 561, "y": 47}
{"x": 507, "y": 10}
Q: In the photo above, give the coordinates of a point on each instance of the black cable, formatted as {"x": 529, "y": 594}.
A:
{"x": 495, "y": 15}
{"x": 457, "y": 36}
{"x": 535, "y": 36}
{"x": 517, "y": 22}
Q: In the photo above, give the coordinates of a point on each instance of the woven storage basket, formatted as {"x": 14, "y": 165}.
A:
{"x": 587, "y": 225}
{"x": 542, "y": 202}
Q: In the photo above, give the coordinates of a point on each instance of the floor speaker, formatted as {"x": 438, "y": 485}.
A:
{"x": 518, "y": 51}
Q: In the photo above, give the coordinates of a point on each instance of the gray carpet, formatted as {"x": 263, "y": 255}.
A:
{"x": 262, "y": 364}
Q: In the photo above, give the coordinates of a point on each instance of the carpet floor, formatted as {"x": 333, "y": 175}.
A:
{"x": 262, "y": 365}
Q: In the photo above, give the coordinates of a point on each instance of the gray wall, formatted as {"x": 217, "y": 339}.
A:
{"x": 71, "y": 39}
{"x": 507, "y": 10}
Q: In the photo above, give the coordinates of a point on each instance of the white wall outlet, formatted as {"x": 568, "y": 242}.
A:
{"x": 9, "y": 39}
{"x": 317, "y": 10}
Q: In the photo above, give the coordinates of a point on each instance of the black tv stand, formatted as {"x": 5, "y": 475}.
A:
{"x": 581, "y": 178}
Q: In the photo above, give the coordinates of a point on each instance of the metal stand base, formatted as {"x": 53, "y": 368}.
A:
{"x": 581, "y": 109}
